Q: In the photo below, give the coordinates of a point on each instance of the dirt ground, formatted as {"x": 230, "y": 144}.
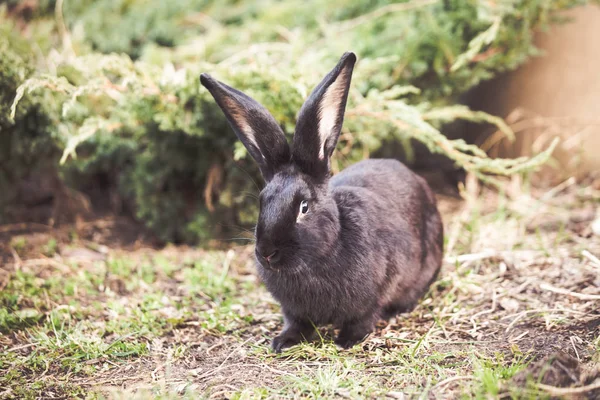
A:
{"x": 93, "y": 310}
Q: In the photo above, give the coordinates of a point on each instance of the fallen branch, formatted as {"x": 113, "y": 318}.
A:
{"x": 487, "y": 254}
{"x": 595, "y": 260}
{"x": 450, "y": 380}
{"x": 581, "y": 296}
{"x": 558, "y": 391}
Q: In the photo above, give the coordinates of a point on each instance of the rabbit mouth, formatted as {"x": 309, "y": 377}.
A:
{"x": 279, "y": 266}
{"x": 267, "y": 265}
{"x": 271, "y": 261}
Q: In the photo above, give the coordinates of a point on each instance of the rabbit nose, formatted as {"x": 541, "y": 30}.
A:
{"x": 269, "y": 253}
{"x": 271, "y": 256}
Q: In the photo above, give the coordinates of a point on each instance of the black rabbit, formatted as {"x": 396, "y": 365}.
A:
{"x": 343, "y": 250}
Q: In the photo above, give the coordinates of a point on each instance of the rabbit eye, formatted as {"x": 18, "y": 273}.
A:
{"x": 304, "y": 207}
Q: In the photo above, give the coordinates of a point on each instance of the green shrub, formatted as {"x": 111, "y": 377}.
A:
{"x": 159, "y": 140}
{"x": 125, "y": 25}
{"x": 29, "y": 141}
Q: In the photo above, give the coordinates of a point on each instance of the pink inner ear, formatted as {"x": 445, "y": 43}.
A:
{"x": 238, "y": 115}
{"x": 330, "y": 108}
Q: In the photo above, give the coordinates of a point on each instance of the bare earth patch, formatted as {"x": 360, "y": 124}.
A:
{"x": 515, "y": 313}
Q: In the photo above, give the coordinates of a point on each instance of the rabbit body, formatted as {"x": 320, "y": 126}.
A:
{"x": 346, "y": 250}
{"x": 380, "y": 252}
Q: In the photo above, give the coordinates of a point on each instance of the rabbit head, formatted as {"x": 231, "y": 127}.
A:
{"x": 298, "y": 218}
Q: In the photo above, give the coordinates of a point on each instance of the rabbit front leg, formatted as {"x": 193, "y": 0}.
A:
{"x": 294, "y": 331}
{"x": 355, "y": 330}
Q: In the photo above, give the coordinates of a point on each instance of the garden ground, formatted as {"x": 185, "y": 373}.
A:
{"x": 92, "y": 310}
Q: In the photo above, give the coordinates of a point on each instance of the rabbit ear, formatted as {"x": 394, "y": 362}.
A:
{"x": 253, "y": 125}
{"x": 320, "y": 120}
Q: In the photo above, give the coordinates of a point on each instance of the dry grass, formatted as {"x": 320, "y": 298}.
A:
{"x": 515, "y": 313}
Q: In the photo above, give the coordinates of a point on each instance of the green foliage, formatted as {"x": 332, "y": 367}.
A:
{"x": 421, "y": 42}
{"x": 28, "y": 10}
{"x": 28, "y": 138}
{"x": 141, "y": 121}
{"x": 127, "y": 25}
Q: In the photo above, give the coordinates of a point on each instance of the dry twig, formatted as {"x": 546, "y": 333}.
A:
{"x": 581, "y": 296}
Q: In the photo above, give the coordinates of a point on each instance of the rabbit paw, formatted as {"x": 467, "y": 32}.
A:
{"x": 352, "y": 334}
{"x": 346, "y": 343}
{"x": 283, "y": 341}
{"x": 293, "y": 333}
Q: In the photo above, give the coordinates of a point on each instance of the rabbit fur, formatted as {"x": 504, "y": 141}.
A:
{"x": 346, "y": 250}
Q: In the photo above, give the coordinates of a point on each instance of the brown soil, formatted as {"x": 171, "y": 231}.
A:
{"x": 538, "y": 300}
